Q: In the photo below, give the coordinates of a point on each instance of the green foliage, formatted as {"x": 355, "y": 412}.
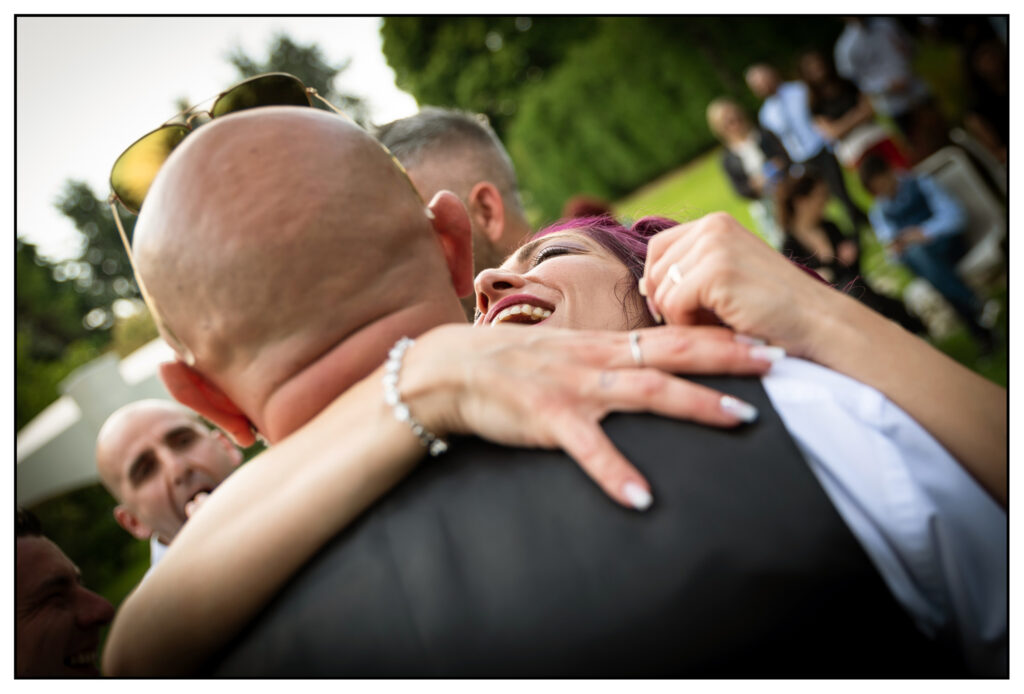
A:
{"x": 615, "y": 114}
{"x": 594, "y": 105}
{"x": 101, "y": 271}
{"x": 50, "y": 337}
{"x": 133, "y": 332}
{"x": 308, "y": 64}
{"x": 82, "y": 524}
{"x": 480, "y": 64}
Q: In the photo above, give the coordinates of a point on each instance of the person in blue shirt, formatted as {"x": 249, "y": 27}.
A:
{"x": 786, "y": 112}
{"x": 922, "y": 226}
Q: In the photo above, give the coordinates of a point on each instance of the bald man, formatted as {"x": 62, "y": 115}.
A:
{"x": 448, "y": 149}
{"x": 316, "y": 257}
{"x": 159, "y": 461}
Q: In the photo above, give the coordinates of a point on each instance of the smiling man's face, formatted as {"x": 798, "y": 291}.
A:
{"x": 57, "y": 619}
{"x": 154, "y": 458}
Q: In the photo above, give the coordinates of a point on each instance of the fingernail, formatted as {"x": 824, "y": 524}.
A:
{"x": 642, "y": 285}
{"x": 743, "y": 410}
{"x": 654, "y": 311}
{"x": 767, "y": 352}
{"x": 638, "y": 497}
{"x": 748, "y": 340}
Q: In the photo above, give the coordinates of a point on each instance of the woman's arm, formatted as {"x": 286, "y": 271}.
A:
{"x": 836, "y": 128}
{"x": 537, "y": 387}
{"x": 753, "y": 289}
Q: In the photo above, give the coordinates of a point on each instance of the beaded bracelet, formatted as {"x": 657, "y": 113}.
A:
{"x": 435, "y": 444}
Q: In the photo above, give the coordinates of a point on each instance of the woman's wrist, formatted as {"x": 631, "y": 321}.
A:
{"x": 430, "y": 383}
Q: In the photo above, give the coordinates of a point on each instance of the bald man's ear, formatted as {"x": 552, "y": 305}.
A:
{"x": 193, "y": 390}
{"x": 130, "y": 522}
{"x": 451, "y": 223}
{"x": 487, "y": 210}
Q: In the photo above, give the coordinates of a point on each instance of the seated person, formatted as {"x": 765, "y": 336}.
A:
{"x": 922, "y": 226}
{"x": 334, "y": 456}
{"x": 159, "y": 461}
{"x": 845, "y": 116}
{"x": 816, "y": 242}
{"x": 754, "y": 161}
{"x": 57, "y": 620}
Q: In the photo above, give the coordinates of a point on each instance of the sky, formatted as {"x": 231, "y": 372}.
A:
{"x": 87, "y": 87}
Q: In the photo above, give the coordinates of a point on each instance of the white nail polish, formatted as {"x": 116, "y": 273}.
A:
{"x": 642, "y": 286}
{"x": 748, "y": 340}
{"x": 767, "y": 352}
{"x": 743, "y": 410}
{"x": 637, "y": 496}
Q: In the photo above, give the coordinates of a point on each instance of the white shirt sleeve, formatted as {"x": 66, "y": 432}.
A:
{"x": 938, "y": 540}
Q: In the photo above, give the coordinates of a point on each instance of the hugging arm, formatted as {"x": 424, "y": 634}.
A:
{"x": 726, "y": 269}
{"x": 535, "y": 388}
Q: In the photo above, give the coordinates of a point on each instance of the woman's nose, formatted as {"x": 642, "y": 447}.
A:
{"x": 491, "y": 284}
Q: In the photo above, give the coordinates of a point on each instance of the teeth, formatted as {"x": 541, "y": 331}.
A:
{"x": 82, "y": 659}
{"x": 535, "y": 312}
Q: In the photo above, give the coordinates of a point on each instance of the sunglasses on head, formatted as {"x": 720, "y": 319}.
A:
{"x": 134, "y": 171}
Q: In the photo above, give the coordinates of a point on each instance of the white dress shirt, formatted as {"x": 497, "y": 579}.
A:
{"x": 937, "y": 538}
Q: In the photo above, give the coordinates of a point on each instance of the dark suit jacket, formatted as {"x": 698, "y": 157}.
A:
{"x": 496, "y": 562}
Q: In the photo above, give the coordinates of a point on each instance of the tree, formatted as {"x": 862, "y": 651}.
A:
{"x": 308, "y": 64}
{"x": 478, "y": 63}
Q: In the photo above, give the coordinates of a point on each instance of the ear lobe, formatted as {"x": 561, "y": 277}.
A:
{"x": 451, "y": 224}
{"x": 192, "y": 389}
{"x": 487, "y": 209}
{"x": 233, "y": 452}
{"x": 127, "y": 520}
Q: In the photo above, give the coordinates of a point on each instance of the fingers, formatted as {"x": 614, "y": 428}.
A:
{"x": 686, "y": 349}
{"x": 591, "y": 448}
{"x": 649, "y": 390}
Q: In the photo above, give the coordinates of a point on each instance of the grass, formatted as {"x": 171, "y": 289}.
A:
{"x": 700, "y": 187}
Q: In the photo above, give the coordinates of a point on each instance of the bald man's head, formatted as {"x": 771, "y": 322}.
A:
{"x": 155, "y": 456}
{"x": 272, "y": 235}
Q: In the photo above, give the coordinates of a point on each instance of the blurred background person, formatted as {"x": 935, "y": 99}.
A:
{"x": 816, "y": 242}
{"x": 586, "y": 206}
{"x": 988, "y": 108}
{"x": 786, "y": 112}
{"x": 922, "y": 226}
{"x": 57, "y": 620}
{"x": 159, "y": 461}
{"x": 876, "y": 55}
{"x": 844, "y": 115}
{"x": 754, "y": 161}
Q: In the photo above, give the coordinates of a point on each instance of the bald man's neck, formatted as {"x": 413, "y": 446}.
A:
{"x": 310, "y": 390}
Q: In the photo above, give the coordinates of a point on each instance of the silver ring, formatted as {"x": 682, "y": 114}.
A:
{"x": 675, "y": 275}
{"x": 634, "y": 348}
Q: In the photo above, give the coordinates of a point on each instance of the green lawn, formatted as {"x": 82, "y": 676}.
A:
{"x": 700, "y": 187}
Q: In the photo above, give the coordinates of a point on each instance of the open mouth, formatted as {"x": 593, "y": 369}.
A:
{"x": 85, "y": 659}
{"x": 521, "y": 313}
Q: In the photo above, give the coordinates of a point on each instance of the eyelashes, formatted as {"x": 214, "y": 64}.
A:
{"x": 550, "y": 252}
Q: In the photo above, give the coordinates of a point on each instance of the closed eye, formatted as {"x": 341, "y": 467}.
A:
{"x": 549, "y": 252}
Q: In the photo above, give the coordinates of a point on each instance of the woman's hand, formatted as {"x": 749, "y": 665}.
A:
{"x": 723, "y": 268}
{"x": 550, "y": 388}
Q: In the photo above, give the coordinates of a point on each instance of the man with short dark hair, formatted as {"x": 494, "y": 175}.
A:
{"x": 786, "y": 113}
{"x": 160, "y": 461}
{"x": 447, "y": 149}
{"x": 57, "y": 620}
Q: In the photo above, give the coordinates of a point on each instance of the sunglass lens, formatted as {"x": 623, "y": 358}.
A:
{"x": 268, "y": 90}
{"x": 134, "y": 171}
